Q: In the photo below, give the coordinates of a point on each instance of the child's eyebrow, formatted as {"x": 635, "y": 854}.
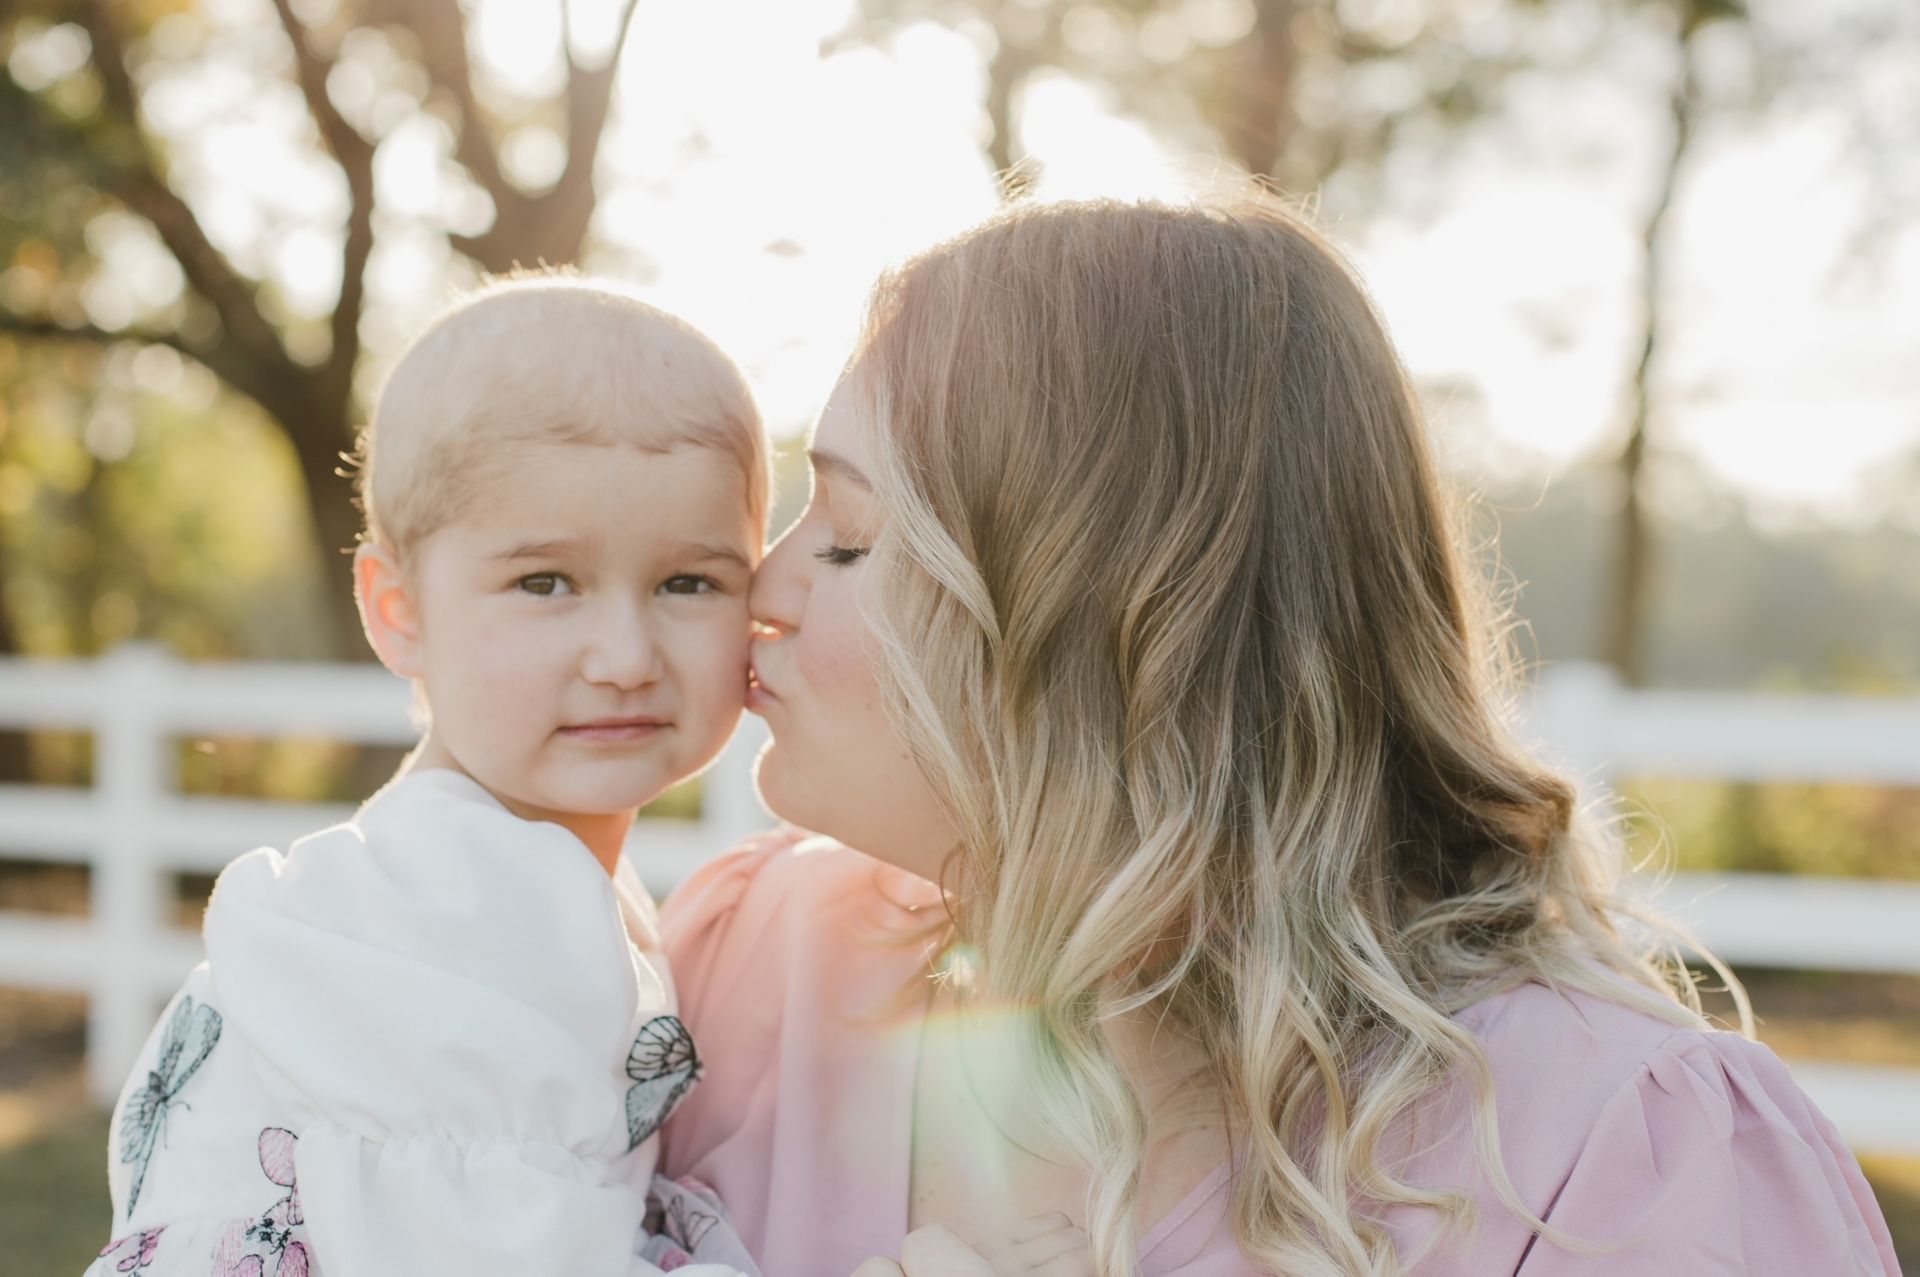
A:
{"x": 724, "y": 553}
{"x": 554, "y": 549}
{"x": 833, "y": 464}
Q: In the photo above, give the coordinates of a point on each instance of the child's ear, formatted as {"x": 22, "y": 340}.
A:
{"x": 387, "y": 611}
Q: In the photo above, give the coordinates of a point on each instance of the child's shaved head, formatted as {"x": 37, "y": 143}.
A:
{"x": 543, "y": 359}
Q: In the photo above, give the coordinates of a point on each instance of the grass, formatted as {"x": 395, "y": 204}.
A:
{"x": 53, "y": 1179}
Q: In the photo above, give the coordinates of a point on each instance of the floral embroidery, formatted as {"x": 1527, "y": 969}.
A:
{"x": 247, "y": 1244}
{"x": 191, "y": 1034}
{"x": 664, "y": 1066}
{"x": 143, "y": 1246}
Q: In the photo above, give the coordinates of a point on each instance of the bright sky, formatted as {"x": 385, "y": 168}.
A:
{"x": 757, "y": 187}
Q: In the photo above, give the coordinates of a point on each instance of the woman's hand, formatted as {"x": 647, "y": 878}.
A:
{"x": 1044, "y": 1246}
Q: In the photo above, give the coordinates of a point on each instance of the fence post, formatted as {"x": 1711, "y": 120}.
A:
{"x": 130, "y": 777}
{"x": 1569, "y": 720}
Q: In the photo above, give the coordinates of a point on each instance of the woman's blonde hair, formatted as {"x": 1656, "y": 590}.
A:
{"x": 1175, "y": 617}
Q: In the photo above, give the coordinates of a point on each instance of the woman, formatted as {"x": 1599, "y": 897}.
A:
{"x": 1128, "y": 639}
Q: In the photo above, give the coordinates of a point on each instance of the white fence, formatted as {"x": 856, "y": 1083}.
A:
{"x": 134, "y": 829}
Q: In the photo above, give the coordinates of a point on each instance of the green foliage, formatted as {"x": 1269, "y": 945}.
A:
{"x": 1862, "y": 831}
{"x": 137, "y": 500}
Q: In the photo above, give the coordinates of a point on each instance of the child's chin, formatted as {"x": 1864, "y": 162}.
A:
{"x": 590, "y": 795}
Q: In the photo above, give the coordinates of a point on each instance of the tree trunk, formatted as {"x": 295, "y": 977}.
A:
{"x": 1625, "y": 641}
{"x": 1261, "y": 119}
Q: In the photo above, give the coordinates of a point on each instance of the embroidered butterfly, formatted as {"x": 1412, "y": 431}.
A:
{"x": 190, "y": 1037}
{"x": 686, "y": 1226}
{"x": 675, "y": 1225}
{"x": 664, "y": 1066}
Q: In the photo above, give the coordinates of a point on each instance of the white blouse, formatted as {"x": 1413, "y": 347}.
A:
{"x": 435, "y": 1039}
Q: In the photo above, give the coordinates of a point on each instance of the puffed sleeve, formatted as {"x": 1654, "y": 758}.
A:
{"x": 1710, "y": 1161}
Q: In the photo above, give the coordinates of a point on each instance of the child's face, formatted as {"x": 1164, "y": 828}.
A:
{"x": 582, "y": 632}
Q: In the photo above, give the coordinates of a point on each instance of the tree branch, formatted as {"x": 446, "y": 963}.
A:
{"x": 551, "y": 226}
{"x": 354, "y": 153}
{"x": 139, "y": 185}
{"x": 442, "y": 29}
{"x": 222, "y": 362}
{"x": 589, "y": 98}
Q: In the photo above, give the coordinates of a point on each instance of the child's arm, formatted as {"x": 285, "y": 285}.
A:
{"x": 198, "y": 1175}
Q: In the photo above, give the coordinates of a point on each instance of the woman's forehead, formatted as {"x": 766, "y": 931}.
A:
{"x": 842, "y": 433}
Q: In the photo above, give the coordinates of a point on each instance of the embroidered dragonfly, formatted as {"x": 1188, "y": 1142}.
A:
{"x": 190, "y": 1037}
{"x": 664, "y": 1066}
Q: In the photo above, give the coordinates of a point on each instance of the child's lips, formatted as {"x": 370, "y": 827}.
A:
{"x": 615, "y": 729}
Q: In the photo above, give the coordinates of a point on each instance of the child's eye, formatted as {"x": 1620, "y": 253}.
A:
{"x": 840, "y": 556}
{"x": 544, "y": 584}
{"x": 689, "y": 584}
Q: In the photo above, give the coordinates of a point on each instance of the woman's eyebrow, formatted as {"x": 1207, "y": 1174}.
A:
{"x": 833, "y": 464}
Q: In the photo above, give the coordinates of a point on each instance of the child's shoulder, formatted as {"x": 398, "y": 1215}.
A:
{"x": 438, "y": 847}
{"x": 430, "y": 897}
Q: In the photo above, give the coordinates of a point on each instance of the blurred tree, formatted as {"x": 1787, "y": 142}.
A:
{"x": 79, "y": 148}
{"x": 1625, "y": 641}
{"x": 1289, "y": 89}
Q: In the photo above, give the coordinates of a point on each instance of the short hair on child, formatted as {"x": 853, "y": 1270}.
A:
{"x": 543, "y": 358}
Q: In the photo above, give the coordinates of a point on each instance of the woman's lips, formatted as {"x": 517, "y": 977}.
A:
{"x": 759, "y": 695}
{"x": 614, "y": 730}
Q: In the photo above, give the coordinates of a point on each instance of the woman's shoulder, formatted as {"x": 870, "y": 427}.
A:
{"x": 785, "y": 903}
{"x": 1685, "y": 1143}
{"x": 1569, "y": 1050}
{"x": 788, "y": 876}
{"x": 1565, "y": 1060}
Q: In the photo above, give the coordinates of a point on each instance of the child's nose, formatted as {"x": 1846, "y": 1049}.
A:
{"x": 623, "y": 651}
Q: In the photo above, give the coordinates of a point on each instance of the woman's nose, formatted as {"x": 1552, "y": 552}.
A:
{"x": 780, "y": 584}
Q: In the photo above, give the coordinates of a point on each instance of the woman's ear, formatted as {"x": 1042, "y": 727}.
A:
{"x": 387, "y": 610}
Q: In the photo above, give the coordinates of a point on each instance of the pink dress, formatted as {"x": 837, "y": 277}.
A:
{"x": 1692, "y": 1149}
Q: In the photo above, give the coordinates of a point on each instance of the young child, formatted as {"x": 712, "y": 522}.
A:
{"x": 440, "y": 1038}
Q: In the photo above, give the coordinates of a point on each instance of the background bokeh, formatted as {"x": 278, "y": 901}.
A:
{"x": 1654, "y": 263}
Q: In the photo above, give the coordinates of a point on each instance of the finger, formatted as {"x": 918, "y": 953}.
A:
{"x": 1048, "y": 1247}
{"x": 1036, "y": 1226}
{"x": 934, "y": 1251}
{"x": 878, "y": 1267}
{"x": 1074, "y": 1263}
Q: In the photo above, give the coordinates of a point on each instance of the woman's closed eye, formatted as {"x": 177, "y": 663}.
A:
{"x": 840, "y": 556}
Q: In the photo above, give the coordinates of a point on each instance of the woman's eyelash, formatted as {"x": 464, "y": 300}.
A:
{"x": 839, "y": 556}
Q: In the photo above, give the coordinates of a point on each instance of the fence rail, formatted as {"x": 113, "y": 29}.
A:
{"x": 133, "y": 829}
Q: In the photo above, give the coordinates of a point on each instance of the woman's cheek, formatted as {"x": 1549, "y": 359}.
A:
{"x": 845, "y": 675}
